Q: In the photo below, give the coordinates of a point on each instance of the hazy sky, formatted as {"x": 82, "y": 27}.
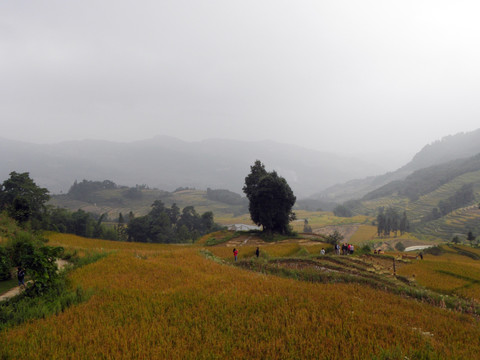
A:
{"x": 354, "y": 76}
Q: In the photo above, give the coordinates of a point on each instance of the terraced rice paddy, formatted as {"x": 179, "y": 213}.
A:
{"x": 451, "y": 273}
{"x": 172, "y": 302}
{"x": 459, "y": 222}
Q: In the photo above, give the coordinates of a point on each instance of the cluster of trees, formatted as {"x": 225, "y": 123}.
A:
{"x": 342, "y": 211}
{"x": 470, "y": 237}
{"x": 23, "y": 200}
{"x": 270, "y": 199}
{"x": 270, "y": 204}
{"x": 84, "y": 189}
{"x": 87, "y": 190}
{"x": 24, "y": 249}
{"x": 390, "y": 220}
{"x": 79, "y": 223}
{"x": 170, "y": 225}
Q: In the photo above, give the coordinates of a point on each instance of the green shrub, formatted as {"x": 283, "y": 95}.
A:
{"x": 302, "y": 252}
{"x": 24, "y": 307}
{"x": 399, "y": 246}
{"x": 435, "y": 250}
{"x": 365, "y": 249}
{"x": 5, "y": 265}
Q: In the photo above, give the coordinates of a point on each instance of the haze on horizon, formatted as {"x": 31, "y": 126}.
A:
{"x": 340, "y": 76}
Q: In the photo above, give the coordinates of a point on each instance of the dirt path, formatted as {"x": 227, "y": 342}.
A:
{"x": 18, "y": 289}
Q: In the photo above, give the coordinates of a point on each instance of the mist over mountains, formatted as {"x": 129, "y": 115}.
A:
{"x": 168, "y": 163}
{"x": 443, "y": 151}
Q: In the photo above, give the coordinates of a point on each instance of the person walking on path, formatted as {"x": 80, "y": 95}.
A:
{"x": 21, "y": 276}
{"x": 235, "y": 253}
{"x": 257, "y": 252}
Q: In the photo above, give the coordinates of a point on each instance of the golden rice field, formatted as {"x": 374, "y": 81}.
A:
{"x": 169, "y": 302}
{"x": 450, "y": 273}
{"x": 364, "y": 234}
{"x": 316, "y": 219}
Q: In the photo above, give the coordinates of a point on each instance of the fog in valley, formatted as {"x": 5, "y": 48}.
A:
{"x": 188, "y": 93}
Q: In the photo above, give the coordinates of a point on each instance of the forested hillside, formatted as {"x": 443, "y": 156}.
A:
{"x": 106, "y": 197}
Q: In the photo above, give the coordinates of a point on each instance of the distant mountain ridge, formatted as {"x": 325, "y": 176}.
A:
{"x": 426, "y": 180}
{"x": 449, "y": 148}
{"x": 168, "y": 163}
{"x": 452, "y": 147}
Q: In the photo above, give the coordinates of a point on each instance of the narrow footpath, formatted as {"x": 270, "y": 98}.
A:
{"x": 18, "y": 289}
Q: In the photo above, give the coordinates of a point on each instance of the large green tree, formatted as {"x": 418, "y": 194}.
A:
{"x": 22, "y": 198}
{"x": 270, "y": 199}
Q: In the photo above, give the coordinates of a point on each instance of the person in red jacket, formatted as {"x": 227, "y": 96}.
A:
{"x": 235, "y": 253}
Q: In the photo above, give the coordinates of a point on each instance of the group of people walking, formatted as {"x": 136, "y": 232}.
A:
{"x": 346, "y": 249}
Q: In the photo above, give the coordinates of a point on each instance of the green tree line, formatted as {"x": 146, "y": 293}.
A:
{"x": 390, "y": 220}
{"x": 24, "y": 201}
{"x": 170, "y": 225}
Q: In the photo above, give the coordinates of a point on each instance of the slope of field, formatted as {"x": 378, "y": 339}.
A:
{"x": 453, "y": 273}
{"x": 113, "y": 202}
{"x": 170, "y": 302}
{"x": 459, "y": 221}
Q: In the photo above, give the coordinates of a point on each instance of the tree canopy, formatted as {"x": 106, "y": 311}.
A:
{"x": 22, "y": 198}
{"x": 270, "y": 199}
{"x": 169, "y": 225}
{"x": 391, "y": 221}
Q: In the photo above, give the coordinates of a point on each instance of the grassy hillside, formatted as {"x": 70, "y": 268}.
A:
{"x": 113, "y": 201}
{"x": 177, "y": 302}
{"x": 455, "y": 272}
{"x": 459, "y": 221}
